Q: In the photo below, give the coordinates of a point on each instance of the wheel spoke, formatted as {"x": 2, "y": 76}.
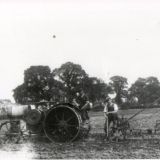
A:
{"x": 53, "y": 132}
{"x": 61, "y": 135}
{"x": 56, "y": 116}
{"x": 70, "y": 135}
{"x": 69, "y": 119}
{"x": 71, "y": 125}
{"x": 63, "y": 116}
{"x": 52, "y": 125}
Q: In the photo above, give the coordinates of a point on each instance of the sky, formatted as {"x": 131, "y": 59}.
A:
{"x": 106, "y": 37}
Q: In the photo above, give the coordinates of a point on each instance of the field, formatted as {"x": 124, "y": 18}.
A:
{"x": 94, "y": 145}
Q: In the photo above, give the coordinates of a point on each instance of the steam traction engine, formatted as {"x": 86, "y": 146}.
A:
{"x": 59, "y": 122}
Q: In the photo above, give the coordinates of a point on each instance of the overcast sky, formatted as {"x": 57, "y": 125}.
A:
{"x": 114, "y": 37}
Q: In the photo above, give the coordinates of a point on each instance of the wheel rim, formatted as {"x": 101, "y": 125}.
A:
{"x": 62, "y": 124}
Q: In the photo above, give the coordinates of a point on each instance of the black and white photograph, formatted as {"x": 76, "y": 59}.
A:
{"x": 79, "y": 79}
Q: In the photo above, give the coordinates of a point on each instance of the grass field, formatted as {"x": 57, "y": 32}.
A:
{"x": 94, "y": 146}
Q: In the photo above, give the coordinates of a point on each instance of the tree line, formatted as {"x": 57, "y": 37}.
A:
{"x": 70, "y": 81}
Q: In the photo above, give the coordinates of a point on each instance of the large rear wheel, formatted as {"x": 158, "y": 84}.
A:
{"x": 62, "y": 124}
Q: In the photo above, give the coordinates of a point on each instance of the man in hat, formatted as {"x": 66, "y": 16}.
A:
{"x": 83, "y": 104}
{"x": 110, "y": 113}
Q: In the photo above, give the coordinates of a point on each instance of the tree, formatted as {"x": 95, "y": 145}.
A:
{"x": 37, "y": 85}
{"x": 119, "y": 86}
{"x": 58, "y": 93}
{"x": 63, "y": 84}
{"x": 20, "y": 94}
{"x": 72, "y": 76}
{"x": 96, "y": 89}
{"x": 147, "y": 90}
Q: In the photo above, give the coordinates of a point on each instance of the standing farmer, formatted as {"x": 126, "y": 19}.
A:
{"x": 110, "y": 114}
